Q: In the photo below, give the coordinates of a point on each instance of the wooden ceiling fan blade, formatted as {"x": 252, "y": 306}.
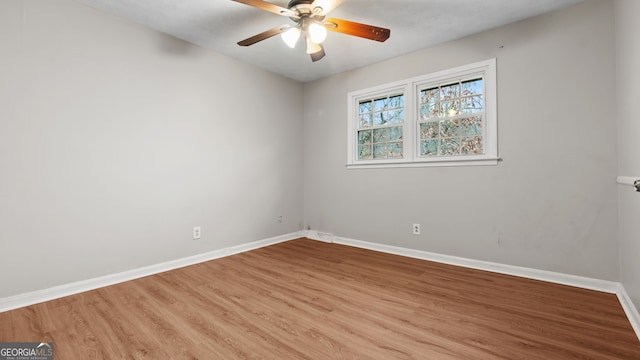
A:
{"x": 326, "y": 5}
{"x": 264, "y": 5}
{"x": 264, "y": 35}
{"x": 357, "y": 29}
{"x": 318, "y": 55}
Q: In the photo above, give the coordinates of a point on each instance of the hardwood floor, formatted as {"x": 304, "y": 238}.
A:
{"x": 310, "y": 300}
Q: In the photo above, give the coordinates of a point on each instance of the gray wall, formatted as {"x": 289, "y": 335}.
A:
{"x": 628, "y": 79}
{"x": 550, "y": 204}
{"x": 116, "y": 140}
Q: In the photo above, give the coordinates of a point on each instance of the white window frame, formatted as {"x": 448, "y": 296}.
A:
{"x": 411, "y": 90}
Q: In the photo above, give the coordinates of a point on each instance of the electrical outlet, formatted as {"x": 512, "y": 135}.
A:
{"x": 416, "y": 229}
{"x": 197, "y": 233}
{"x": 280, "y": 219}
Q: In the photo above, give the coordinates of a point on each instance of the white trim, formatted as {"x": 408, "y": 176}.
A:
{"x": 610, "y": 287}
{"x": 436, "y": 162}
{"x": 549, "y": 276}
{"x": 399, "y": 87}
{"x": 411, "y": 88}
{"x": 38, "y": 296}
{"x": 629, "y": 309}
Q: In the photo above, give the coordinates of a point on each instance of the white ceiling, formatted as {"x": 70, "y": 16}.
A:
{"x": 414, "y": 24}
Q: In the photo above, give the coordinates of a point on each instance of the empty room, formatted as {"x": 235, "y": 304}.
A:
{"x": 328, "y": 179}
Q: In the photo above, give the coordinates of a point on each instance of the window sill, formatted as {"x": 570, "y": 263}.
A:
{"x": 492, "y": 161}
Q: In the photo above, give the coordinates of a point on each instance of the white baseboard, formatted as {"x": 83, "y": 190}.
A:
{"x": 629, "y": 309}
{"x": 35, "y": 297}
{"x": 529, "y": 273}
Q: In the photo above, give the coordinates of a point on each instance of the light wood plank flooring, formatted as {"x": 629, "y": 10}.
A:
{"x": 310, "y": 300}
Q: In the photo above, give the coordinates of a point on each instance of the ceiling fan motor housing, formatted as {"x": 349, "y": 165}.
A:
{"x": 305, "y": 8}
{"x": 293, "y": 3}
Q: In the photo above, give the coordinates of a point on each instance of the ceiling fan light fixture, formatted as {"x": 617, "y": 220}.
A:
{"x": 309, "y": 18}
{"x": 317, "y": 32}
{"x": 312, "y": 47}
{"x": 291, "y": 36}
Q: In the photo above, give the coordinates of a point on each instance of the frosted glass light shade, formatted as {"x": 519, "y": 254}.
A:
{"x": 290, "y": 37}
{"x": 317, "y": 32}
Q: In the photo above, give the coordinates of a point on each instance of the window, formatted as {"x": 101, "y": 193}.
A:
{"x": 380, "y": 127}
{"x": 442, "y": 119}
{"x": 451, "y": 119}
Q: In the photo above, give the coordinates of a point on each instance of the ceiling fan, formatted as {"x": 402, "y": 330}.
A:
{"x": 309, "y": 18}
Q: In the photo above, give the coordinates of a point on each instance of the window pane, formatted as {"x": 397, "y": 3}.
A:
{"x": 450, "y": 91}
{"x": 380, "y": 151}
{"x": 450, "y": 146}
{"x": 429, "y": 130}
{"x": 449, "y": 128}
{"x": 395, "y": 133}
{"x": 429, "y": 111}
{"x": 472, "y": 145}
{"x": 449, "y": 108}
{"x": 376, "y": 140}
{"x": 429, "y": 95}
{"x": 396, "y": 101}
{"x": 396, "y": 116}
{"x": 365, "y": 120}
{"x": 472, "y": 87}
{"x": 365, "y": 107}
{"x": 428, "y": 148}
{"x": 395, "y": 150}
{"x": 364, "y": 152}
{"x": 364, "y": 137}
{"x": 380, "y": 135}
{"x": 424, "y": 112}
{"x": 472, "y": 104}
{"x": 471, "y": 126}
{"x": 380, "y": 118}
{"x": 380, "y": 104}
